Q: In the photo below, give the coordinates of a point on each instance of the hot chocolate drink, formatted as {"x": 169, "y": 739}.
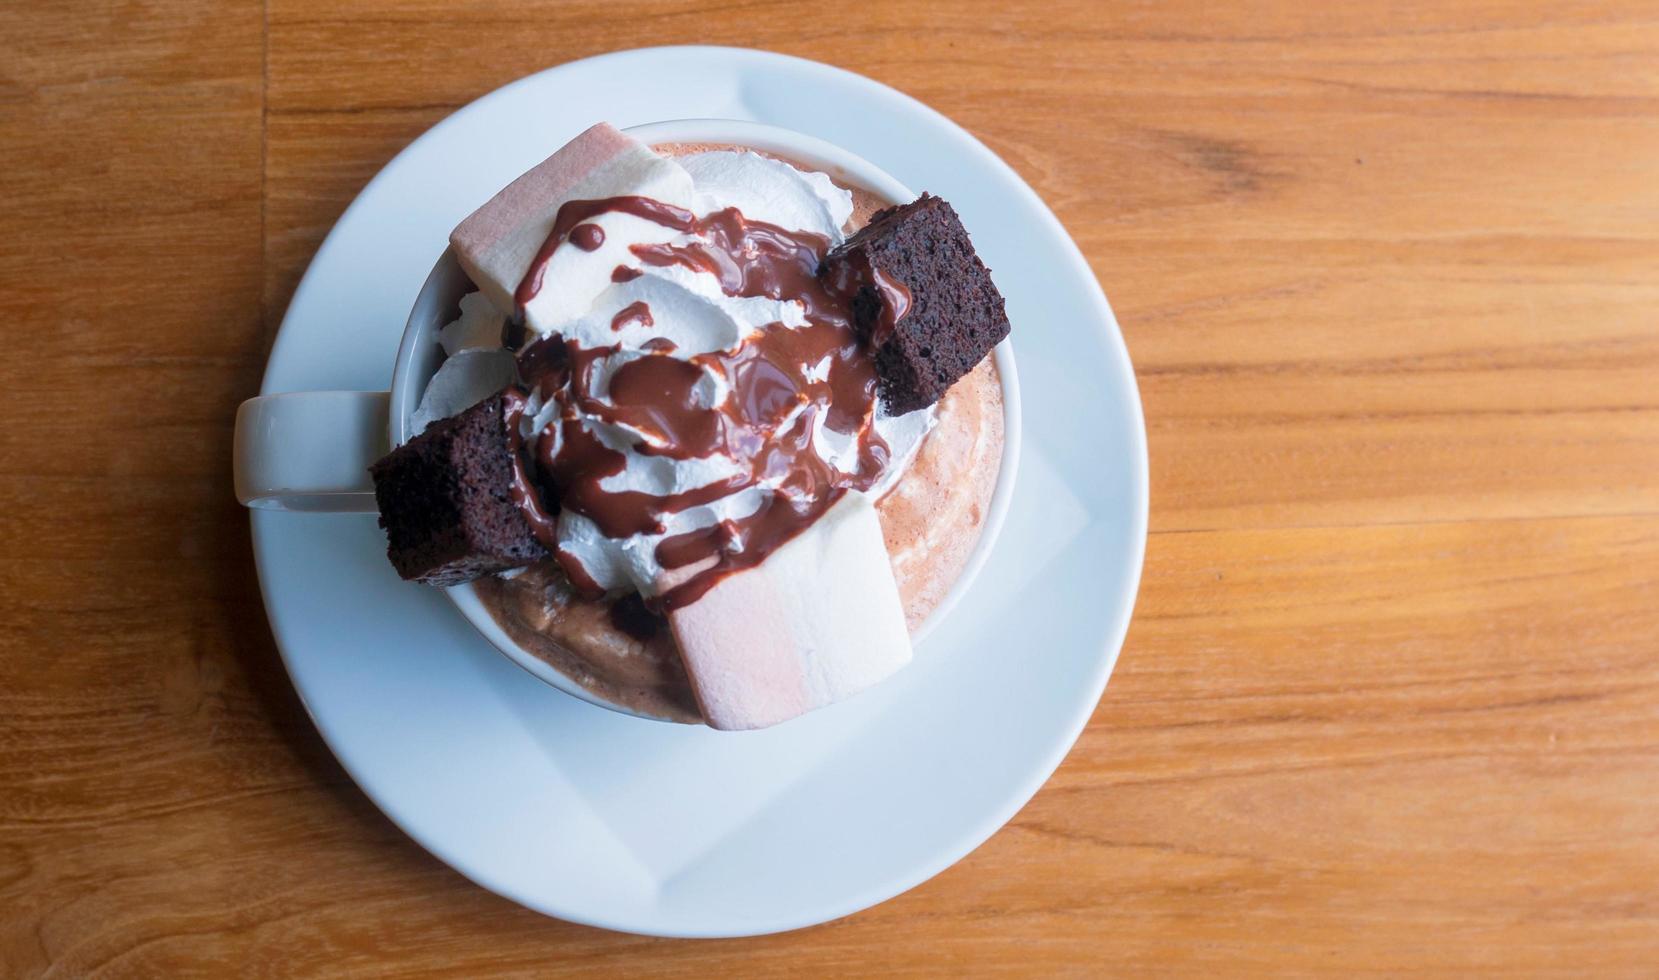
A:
{"x": 742, "y": 453}
{"x": 930, "y": 519}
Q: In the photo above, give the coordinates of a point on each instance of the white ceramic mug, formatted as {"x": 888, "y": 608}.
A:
{"x": 310, "y": 450}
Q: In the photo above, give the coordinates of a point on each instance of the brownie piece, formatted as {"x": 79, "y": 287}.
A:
{"x": 446, "y": 500}
{"x": 920, "y": 297}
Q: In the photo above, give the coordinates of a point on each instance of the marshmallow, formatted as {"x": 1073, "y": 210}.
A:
{"x": 496, "y": 243}
{"x": 816, "y": 622}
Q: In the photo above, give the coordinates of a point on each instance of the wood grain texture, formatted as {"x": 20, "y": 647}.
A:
{"x": 1388, "y": 273}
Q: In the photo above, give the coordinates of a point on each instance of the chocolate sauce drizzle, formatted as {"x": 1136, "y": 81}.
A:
{"x": 782, "y": 381}
{"x": 573, "y": 213}
{"x": 847, "y": 277}
{"x": 525, "y": 494}
{"x": 632, "y": 313}
{"x": 588, "y": 238}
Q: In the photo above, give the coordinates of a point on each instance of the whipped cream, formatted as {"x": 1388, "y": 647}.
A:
{"x": 688, "y": 309}
{"x": 768, "y": 190}
{"x": 606, "y": 296}
{"x": 477, "y": 328}
{"x": 760, "y": 188}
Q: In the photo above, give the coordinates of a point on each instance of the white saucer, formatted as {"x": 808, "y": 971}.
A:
{"x": 603, "y": 819}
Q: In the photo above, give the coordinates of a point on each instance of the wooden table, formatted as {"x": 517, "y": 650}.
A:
{"x": 1390, "y": 277}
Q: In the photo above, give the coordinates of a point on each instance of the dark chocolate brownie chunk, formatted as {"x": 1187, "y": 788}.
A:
{"x": 446, "y": 500}
{"x": 921, "y": 298}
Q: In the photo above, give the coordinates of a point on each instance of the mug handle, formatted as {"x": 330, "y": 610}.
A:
{"x": 311, "y": 450}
